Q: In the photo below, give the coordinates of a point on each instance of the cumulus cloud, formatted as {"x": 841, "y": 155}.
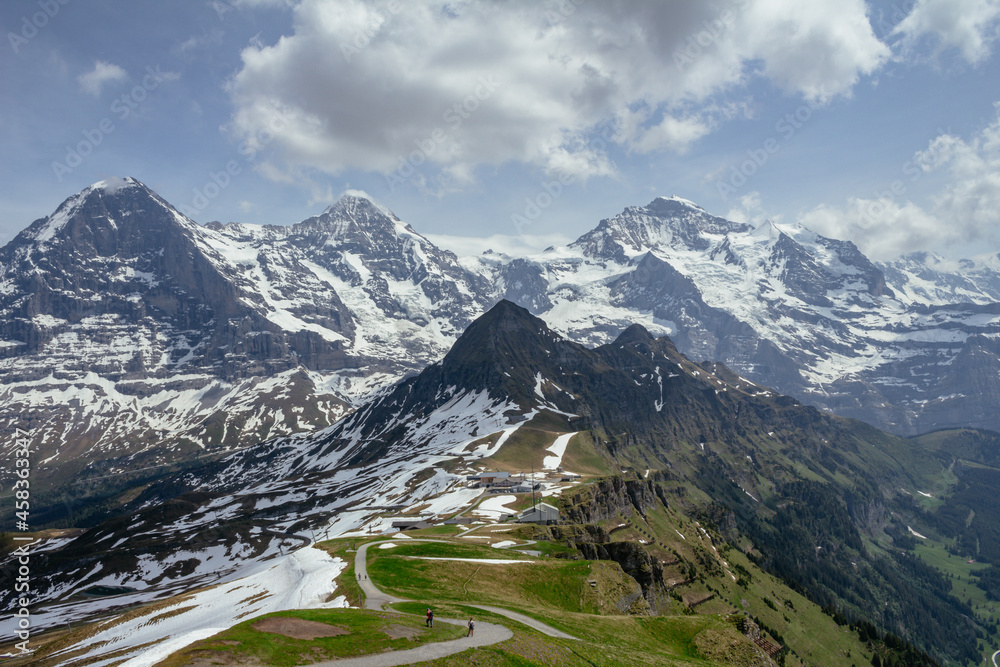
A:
{"x": 388, "y": 86}
{"x": 820, "y": 49}
{"x": 92, "y": 82}
{"x": 969, "y": 26}
{"x": 964, "y": 211}
{"x": 970, "y": 203}
{"x": 883, "y": 228}
{"x": 750, "y": 210}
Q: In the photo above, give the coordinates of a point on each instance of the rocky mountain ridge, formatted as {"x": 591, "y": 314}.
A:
{"x": 132, "y": 336}
{"x": 809, "y": 316}
{"x": 797, "y": 489}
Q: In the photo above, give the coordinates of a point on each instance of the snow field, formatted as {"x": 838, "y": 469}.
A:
{"x": 494, "y": 507}
{"x": 301, "y": 580}
{"x": 558, "y": 449}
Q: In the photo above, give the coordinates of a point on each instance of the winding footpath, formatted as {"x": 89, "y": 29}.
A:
{"x": 376, "y": 599}
{"x": 995, "y": 658}
{"x": 486, "y": 633}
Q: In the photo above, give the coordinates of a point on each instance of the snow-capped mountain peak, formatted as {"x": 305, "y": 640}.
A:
{"x": 105, "y": 204}
{"x": 767, "y": 230}
{"x": 927, "y": 277}
{"x": 357, "y": 218}
{"x": 116, "y": 294}
{"x": 679, "y": 200}
{"x": 664, "y": 223}
{"x": 113, "y": 184}
{"x": 358, "y": 205}
{"x": 111, "y": 216}
{"x": 226, "y": 334}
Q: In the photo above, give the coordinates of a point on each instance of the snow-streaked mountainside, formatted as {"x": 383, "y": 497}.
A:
{"x": 131, "y": 336}
{"x": 408, "y": 449}
{"x": 509, "y": 380}
{"x": 928, "y": 278}
{"x": 127, "y": 330}
{"x": 807, "y": 315}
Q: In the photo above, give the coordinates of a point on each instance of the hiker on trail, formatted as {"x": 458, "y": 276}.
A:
{"x": 429, "y": 617}
{"x": 472, "y": 628}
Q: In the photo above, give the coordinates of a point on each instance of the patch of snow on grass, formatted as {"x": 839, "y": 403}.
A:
{"x": 494, "y": 507}
{"x": 558, "y": 449}
{"x": 301, "y": 580}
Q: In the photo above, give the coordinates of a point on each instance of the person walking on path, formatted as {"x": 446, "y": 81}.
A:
{"x": 428, "y": 621}
{"x": 472, "y": 628}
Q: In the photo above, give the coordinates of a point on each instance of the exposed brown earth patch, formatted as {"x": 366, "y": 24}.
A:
{"x": 297, "y": 628}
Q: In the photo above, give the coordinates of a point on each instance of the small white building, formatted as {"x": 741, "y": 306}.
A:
{"x": 541, "y": 513}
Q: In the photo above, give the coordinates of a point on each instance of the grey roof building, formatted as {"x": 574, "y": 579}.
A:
{"x": 540, "y": 513}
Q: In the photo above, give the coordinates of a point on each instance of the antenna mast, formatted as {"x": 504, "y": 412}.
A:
{"x": 532, "y": 482}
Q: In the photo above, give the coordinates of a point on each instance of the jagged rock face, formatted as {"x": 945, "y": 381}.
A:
{"x": 928, "y": 278}
{"x": 609, "y": 498}
{"x": 634, "y": 560}
{"x": 126, "y": 328}
{"x": 376, "y": 251}
{"x": 703, "y": 332}
{"x": 118, "y": 257}
{"x": 523, "y": 282}
{"x": 638, "y": 228}
{"x": 809, "y": 316}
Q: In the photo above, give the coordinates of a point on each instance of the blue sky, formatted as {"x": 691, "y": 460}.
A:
{"x": 526, "y": 122}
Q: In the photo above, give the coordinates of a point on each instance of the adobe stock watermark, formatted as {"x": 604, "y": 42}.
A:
{"x": 121, "y": 108}
{"x": 534, "y": 206}
{"x": 876, "y": 208}
{"x": 786, "y": 127}
{"x": 21, "y": 556}
{"x": 899, "y": 11}
{"x": 222, "y": 179}
{"x": 550, "y": 189}
{"x": 453, "y": 118}
{"x": 221, "y": 7}
{"x": 364, "y": 35}
{"x": 30, "y": 25}
{"x": 712, "y": 31}
{"x": 562, "y": 11}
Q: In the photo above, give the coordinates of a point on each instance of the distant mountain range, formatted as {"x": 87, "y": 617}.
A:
{"x": 131, "y": 337}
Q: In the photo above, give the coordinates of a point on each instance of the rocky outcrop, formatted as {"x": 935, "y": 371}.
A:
{"x": 608, "y": 498}
{"x": 127, "y": 329}
{"x": 570, "y": 534}
{"x": 632, "y": 557}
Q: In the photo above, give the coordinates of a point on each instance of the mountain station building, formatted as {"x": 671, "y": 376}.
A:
{"x": 542, "y": 513}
